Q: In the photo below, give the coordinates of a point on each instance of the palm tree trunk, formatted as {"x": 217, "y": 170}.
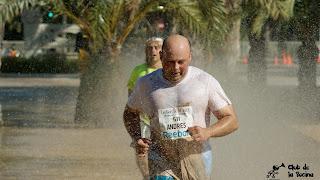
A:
{"x": 232, "y": 48}
{"x": 1, "y": 32}
{"x": 232, "y": 43}
{"x": 307, "y": 54}
{"x": 225, "y": 57}
{"x": 98, "y": 99}
{"x": 1, "y": 40}
{"x": 308, "y": 33}
{"x": 257, "y": 67}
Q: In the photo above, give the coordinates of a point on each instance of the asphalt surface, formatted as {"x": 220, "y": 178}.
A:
{"x": 278, "y": 124}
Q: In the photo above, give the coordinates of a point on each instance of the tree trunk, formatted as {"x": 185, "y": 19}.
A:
{"x": 1, "y": 37}
{"x": 307, "y": 54}
{"x": 308, "y": 51}
{"x": 232, "y": 49}
{"x": 1, "y": 40}
{"x": 100, "y": 91}
{"x": 226, "y": 57}
{"x": 2, "y": 23}
{"x": 257, "y": 67}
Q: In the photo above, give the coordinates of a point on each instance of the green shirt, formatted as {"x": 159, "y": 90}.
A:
{"x": 138, "y": 72}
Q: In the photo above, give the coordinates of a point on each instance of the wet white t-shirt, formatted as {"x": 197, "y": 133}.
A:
{"x": 174, "y": 108}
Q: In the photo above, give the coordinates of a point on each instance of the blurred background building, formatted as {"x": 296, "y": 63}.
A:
{"x": 40, "y": 31}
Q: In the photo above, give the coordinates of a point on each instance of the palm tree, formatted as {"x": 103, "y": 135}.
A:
{"x": 107, "y": 25}
{"x": 257, "y": 15}
{"x": 307, "y": 19}
{"x": 229, "y": 51}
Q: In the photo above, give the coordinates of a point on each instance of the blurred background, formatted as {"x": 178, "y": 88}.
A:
{"x": 65, "y": 67}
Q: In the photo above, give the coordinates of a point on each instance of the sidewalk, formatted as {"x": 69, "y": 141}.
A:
{"x": 36, "y": 80}
{"x": 312, "y": 131}
{"x": 272, "y": 130}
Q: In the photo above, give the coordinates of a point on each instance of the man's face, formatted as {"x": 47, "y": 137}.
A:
{"x": 175, "y": 63}
{"x": 153, "y": 49}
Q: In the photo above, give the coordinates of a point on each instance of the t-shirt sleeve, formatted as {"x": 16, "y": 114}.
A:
{"x": 132, "y": 80}
{"x": 217, "y": 97}
{"x": 135, "y": 99}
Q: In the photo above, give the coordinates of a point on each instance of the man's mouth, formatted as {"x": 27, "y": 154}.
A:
{"x": 176, "y": 74}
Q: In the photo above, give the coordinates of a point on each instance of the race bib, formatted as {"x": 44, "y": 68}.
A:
{"x": 174, "y": 122}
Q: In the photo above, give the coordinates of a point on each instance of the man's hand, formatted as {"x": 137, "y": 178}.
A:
{"x": 142, "y": 146}
{"x": 199, "y": 134}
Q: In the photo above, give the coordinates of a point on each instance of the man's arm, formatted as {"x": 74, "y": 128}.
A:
{"x": 132, "y": 122}
{"x": 226, "y": 124}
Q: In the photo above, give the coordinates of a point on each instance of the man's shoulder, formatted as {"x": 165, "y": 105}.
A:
{"x": 140, "y": 67}
{"x": 202, "y": 76}
{"x": 199, "y": 73}
{"x": 151, "y": 76}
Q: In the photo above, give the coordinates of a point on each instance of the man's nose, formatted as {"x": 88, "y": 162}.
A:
{"x": 176, "y": 65}
{"x": 154, "y": 50}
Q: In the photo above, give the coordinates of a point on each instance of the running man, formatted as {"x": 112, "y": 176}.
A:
{"x": 179, "y": 99}
{"x": 152, "y": 50}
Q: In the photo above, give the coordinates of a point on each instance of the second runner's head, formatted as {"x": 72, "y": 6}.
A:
{"x": 153, "y": 48}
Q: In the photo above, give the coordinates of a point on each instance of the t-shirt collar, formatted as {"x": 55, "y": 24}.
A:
{"x": 173, "y": 84}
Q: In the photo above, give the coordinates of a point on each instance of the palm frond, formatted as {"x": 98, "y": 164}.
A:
{"x": 205, "y": 19}
{"x": 144, "y": 9}
{"x": 187, "y": 14}
{"x": 275, "y": 9}
{"x": 258, "y": 22}
{"x": 217, "y": 23}
{"x": 11, "y": 8}
{"x": 116, "y": 13}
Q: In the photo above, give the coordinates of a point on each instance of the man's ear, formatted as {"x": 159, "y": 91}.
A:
{"x": 190, "y": 57}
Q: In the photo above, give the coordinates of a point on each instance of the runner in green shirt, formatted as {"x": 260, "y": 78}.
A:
{"x": 153, "y": 47}
{"x": 152, "y": 51}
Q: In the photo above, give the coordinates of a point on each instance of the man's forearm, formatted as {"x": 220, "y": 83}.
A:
{"x": 132, "y": 123}
{"x": 224, "y": 126}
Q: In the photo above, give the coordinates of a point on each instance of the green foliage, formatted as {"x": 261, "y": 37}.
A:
{"x": 306, "y": 19}
{"x": 50, "y": 63}
{"x": 11, "y": 8}
{"x": 105, "y": 23}
{"x": 259, "y": 11}
{"x": 205, "y": 19}
{"x": 108, "y": 23}
{"x": 307, "y": 8}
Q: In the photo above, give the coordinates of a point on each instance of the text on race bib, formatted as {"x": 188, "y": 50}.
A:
{"x": 174, "y": 122}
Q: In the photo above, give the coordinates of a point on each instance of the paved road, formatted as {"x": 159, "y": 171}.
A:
{"x": 277, "y": 125}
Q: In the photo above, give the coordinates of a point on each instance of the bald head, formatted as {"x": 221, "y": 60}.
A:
{"x": 175, "y": 57}
{"x": 176, "y": 41}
